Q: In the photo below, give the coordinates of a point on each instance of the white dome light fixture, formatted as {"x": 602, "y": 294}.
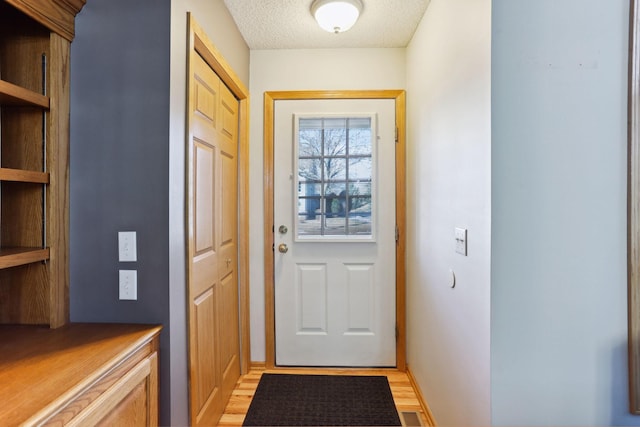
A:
{"x": 336, "y": 16}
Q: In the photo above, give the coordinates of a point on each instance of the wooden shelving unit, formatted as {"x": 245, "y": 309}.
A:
{"x": 35, "y": 37}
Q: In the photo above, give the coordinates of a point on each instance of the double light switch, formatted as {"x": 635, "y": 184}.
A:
{"x": 127, "y": 252}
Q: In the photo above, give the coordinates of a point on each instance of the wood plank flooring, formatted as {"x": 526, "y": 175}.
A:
{"x": 403, "y": 393}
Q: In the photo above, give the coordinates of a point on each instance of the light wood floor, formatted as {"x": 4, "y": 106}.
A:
{"x": 403, "y": 393}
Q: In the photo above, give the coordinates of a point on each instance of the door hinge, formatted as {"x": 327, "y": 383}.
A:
{"x": 273, "y": 247}
{"x": 397, "y": 333}
{"x": 396, "y": 134}
{"x": 397, "y": 234}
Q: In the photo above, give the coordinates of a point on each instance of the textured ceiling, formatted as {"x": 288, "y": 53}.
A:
{"x": 288, "y": 24}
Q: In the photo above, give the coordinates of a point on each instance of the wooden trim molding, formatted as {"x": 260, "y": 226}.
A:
{"x": 269, "y": 279}
{"x": 258, "y": 366}
{"x": 423, "y": 403}
{"x": 57, "y": 15}
{"x": 205, "y": 48}
{"x": 401, "y": 304}
{"x": 633, "y": 207}
{"x": 58, "y": 193}
{"x": 269, "y": 106}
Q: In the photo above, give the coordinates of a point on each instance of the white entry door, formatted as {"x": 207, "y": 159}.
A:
{"x": 335, "y": 227}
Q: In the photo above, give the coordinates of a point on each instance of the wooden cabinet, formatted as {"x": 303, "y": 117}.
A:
{"x": 79, "y": 374}
{"x": 35, "y": 37}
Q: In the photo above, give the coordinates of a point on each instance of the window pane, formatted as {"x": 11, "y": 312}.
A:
{"x": 306, "y": 189}
{"x": 310, "y": 143}
{"x": 335, "y": 196}
{"x": 335, "y": 142}
{"x": 308, "y": 226}
{"x": 360, "y": 168}
{"x": 310, "y": 123}
{"x": 335, "y": 169}
{"x": 360, "y": 123}
{"x": 309, "y": 170}
{"x": 359, "y": 189}
{"x": 359, "y": 206}
{"x": 335, "y": 226}
{"x": 360, "y": 215}
{"x": 309, "y": 206}
{"x": 334, "y": 188}
{"x": 360, "y": 226}
{"x": 360, "y": 142}
{"x": 334, "y": 176}
{"x": 339, "y": 123}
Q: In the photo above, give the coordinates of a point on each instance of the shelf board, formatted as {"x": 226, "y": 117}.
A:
{"x": 19, "y": 175}
{"x": 11, "y": 94}
{"x": 13, "y": 257}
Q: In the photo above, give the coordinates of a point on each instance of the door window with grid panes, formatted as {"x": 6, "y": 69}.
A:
{"x": 335, "y": 180}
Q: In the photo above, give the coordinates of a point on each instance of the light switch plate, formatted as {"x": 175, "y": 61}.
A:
{"x": 461, "y": 241}
{"x": 128, "y": 284}
{"x": 127, "y": 251}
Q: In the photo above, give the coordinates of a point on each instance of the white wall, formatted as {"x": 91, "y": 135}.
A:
{"x": 448, "y": 179}
{"x": 558, "y": 329}
{"x": 218, "y": 24}
{"x": 318, "y": 69}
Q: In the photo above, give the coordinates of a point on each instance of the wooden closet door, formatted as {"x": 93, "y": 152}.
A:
{"x": 212, "y": 224}
{"x": 227, "y": 273}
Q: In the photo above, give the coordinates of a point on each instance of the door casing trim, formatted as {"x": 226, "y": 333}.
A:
{"x": 269, "y": 282}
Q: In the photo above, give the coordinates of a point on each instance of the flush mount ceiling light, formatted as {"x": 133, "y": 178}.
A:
{"x": 336, "y": 16}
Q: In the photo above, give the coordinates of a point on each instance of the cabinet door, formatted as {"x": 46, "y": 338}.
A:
{"x": 131, "y": 401}
{"x": 131, "y": 411}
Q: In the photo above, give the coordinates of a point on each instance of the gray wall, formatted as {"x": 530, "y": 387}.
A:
{"x": 558, "y": 287}
{"x": 128, "y": 89}
{"x": 119, "y": 163}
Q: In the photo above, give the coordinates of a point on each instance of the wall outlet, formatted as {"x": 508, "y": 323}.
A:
{"x": 128, "y": 284}
{"x": 127, "y": 251}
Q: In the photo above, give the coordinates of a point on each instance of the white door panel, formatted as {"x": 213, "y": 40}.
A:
{"x": 335, "y": 295}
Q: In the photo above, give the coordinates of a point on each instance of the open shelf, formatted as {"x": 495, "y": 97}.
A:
{"x": 19, "y": 175}
{"x": 13, "y": 257}
{"x": 11, "y": 94}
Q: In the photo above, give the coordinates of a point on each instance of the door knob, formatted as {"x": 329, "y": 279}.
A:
{"x": 283, "y": 229}
{"x": 283, "y": 248}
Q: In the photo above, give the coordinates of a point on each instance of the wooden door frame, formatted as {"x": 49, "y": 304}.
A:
{"x": 201, "y": 45}
{"x": 269, "y": 280}
{"x": 633, "y": 208}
